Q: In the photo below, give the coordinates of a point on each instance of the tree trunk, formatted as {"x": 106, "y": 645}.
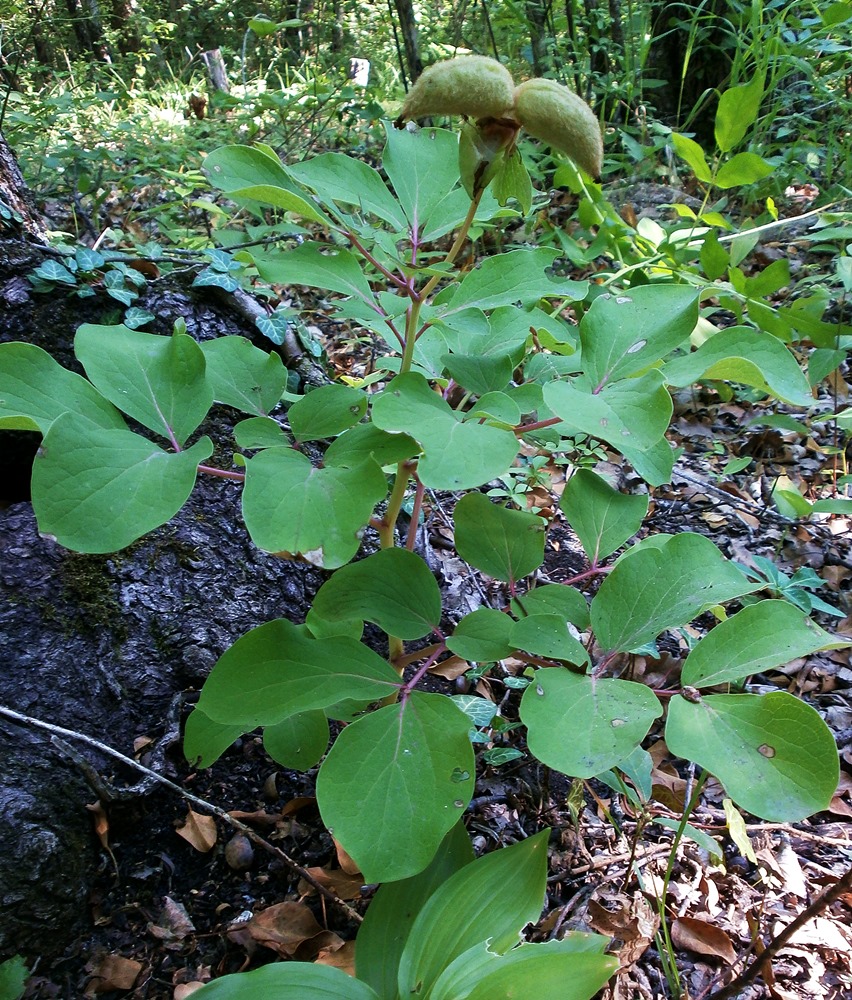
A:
{"x": 215, "y": 65}
{"x": 17, "y": 197}
{"x": 536, "y": 15}
{"x": 410, "y": 40}
{"x": 122, "y": 20}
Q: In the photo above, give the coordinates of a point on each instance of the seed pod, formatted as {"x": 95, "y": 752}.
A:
{"x": 475, "y": 86}
{"x": 557, "y": 116}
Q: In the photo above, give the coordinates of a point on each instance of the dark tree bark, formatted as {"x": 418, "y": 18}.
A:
{"x": 410, "y": 39}
{"x": 122, "y": 21}
{"x": 536, "y": 15}
{"x": 17, "y": 197}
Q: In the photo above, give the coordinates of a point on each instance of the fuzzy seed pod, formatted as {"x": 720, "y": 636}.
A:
{"x": 557, "y": 116}
{"x": 475, "y": 86}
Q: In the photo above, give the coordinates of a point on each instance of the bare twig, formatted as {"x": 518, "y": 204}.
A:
{"x": 756, "y": 966}
{"x": 194, "y": 799}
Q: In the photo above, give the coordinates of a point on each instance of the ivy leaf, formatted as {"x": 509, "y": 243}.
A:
{"x": 457, "y": 455}
{"x": 401, "y": 775}
{"x": 655, "y": 587}
{"x": 289, "y": 506}
{"x": 607, "y": 719}
{"x": 276, "y": 671}
{"x": 773, "y": 753}
{"x": 243, "y": 376}
{"x": 98, "y": 490}
{"x": 393, "y": 588}
{"x": 159, "y": 381}
{"x": 35, "y": 389}
{"x": 603, "y": 517}
{"x": 758, "y": 638}
{"x": 506, "y": 544}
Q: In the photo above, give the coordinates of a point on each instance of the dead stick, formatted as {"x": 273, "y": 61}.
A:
{"x": 753, "y": 970}
{"x": 194, "y": 799}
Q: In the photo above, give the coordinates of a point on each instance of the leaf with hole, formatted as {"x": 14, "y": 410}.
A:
{"x": 772, "y": 752}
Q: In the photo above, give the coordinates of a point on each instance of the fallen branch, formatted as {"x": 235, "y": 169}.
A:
{"x": 194, "y": 799}
{"x": 755, "y": 968}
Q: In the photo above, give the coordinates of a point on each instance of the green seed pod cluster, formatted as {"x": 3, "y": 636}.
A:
{"x": 556, "y": 115}
{"x": 475, "y": 86}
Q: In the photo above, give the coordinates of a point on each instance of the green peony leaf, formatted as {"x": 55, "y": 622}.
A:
{"x": 204, "y": 741}
{"x": 481, "y": 636}
{"x": 553, "y": 598}
{"x": 773, "y": 753}
{"x": 583, "y": 725}
{"x": 243, "y": 376}
{"x": 402, "y": 775}
{"x": 549, "y": 636}
{"x": 506, "y": 544}
{"x": 603, "y": 517}
{"x": 326, "y": 412}
{"x": 392, "y": 588}
{"x": 298, "y": 741}
{"x": 760, "y": 637}
{"x": 98, "y": 490}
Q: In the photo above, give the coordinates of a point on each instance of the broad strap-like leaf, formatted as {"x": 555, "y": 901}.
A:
{"x": 772, "y": 752}
{"x": 98, "y": 490}
{"x": 504, "y": 543}
{"x": 159, "y": 381}
{"x": 35, "y": 389}
{"x": 602, "y": 517}
{"x": 395, "y": 782}
{"x": 464, "y": 911}
{"x": 583, "y": 725}
{"x": 393, "y": 588}
{"x": 394, "y": 908}
{"x": 319, "y": 514}
{"x": 288, "y": 981}
{"x": 623, "y": 334}
{"x": 276, "y": 671}
{"x": 655, "y": 587}
{"x": 758, "y": 638}
{"x": 457, "y": 455}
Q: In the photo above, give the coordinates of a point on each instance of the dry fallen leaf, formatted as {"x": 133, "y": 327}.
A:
{"x": 173, "y": 925}
{"x": 341, "y": 958}
{"x": 631, "y": 921}
{"x": 283, "y": 927}
{"x": 112, "y": 972}
{"x": 345, "y": 861}
{"x": 186, "y": 989}
{"x": 342, "y": 885}
{"x": 199, "y": 830}
{"x": 703, "y": 938}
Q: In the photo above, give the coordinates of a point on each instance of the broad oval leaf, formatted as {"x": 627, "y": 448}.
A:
{"x": 660, "y": 586}
{"x": 737, "y": 112}
{"x": 553, "y": 598}
{"x": 393, "y": 588}
{"x": 319, "y": 514}
{"x": 632, "y": 413}
{"x": 332, "y": 269}
{"x": 772, "y": 752}
{"x": 395, "y": 782}
{"x": 462, "y": 913}
{"x": 457, "y": 455}
{"x": 336, "y": 177}
{"x": 548, "y": 635}
{"x": 288, "y": 981}
{"x": 481, "y": 636}
{"x": 583, "y": 725}
{"x": 743, "y": 168}
{"x": 504, "y": 543}
{"x": 35, "y": 389}
{"x": 159, "y": 381}
{"x": 602, "y": 517}
{"x": 204, "y": 741}
{"x": 760, "y": 637}
{"x": 299, "y": 741}
{"x": 741, "y": 354}
{"x": 243, "y": 376}
{"x": 366, "y": 441}
{"x": 98, "y": 490}
{"x": 276, "y": 671}
{"x": 232, "y": 167}
{"x": 623, "y": 334}
{"x": 326, "y": 411}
